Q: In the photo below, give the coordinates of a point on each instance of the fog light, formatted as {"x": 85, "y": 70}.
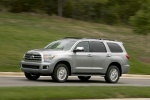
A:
{"x": 45, "y": 67}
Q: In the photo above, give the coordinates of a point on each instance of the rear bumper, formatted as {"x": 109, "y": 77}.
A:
{"x": 44, "y": 68}
{"x": 125, "y": 69}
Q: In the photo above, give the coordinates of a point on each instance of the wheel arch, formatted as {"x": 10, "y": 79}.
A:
{"x": 66, "y": 63}
{"x": 117, "y": 65}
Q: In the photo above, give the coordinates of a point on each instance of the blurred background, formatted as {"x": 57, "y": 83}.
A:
{"x": 31, "y": 24}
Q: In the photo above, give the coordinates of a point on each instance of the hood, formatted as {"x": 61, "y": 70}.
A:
{"x": 46, "y": 51}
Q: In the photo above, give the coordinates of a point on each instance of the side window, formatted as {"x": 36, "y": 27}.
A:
{"x": 97, "y": 46}
{"x": 114, "y": 47}
{"x": 84, "y": 44}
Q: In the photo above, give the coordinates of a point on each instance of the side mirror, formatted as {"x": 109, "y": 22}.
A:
{"x": 79, "y": 49}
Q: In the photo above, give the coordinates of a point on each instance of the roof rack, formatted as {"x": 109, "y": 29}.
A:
{"x": 107, "y": 39}
{"x": 100, "y": 39}
{"x": 72, "y": 38}
{"x": 88, "y": 38}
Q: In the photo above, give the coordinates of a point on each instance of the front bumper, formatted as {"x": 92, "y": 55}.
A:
{"x": 43, "y": 68}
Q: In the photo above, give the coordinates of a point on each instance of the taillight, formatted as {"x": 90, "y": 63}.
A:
{"x": 127, "y": 56}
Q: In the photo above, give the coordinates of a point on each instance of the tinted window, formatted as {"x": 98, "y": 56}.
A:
{"x": 114, "y": 47}
{"x": 84, "y": 44}
{"x": 97, "y": 46}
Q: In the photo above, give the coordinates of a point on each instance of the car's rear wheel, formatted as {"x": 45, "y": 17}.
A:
{"x": 60, "y": 73}
{"x": 113, "y": 74}
{"x": 31, "y": 76}
{"x": 84, "y": 78}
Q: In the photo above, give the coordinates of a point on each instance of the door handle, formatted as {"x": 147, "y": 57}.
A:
{"x": 89, "y": 55}
{"x": 108, "y": 55}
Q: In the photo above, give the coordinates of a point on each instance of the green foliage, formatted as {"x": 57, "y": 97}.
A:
{"x": 27, "y": 5}
{"x": 22, "y": 32}
{"x": 72, "y": 92}
{"x": 107, "y": 11}
{"x": 141, "y": 20}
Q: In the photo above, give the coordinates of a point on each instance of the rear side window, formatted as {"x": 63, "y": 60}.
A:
{"x": 114, "y": 47}
{"x": 97, "y": 46}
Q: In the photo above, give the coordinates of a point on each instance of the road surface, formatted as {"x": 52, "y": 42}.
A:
{"x": 72, "y": 81}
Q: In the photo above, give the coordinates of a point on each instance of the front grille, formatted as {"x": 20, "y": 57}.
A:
{"x": 30, "y": 66}
{"x": 32, "y": 57}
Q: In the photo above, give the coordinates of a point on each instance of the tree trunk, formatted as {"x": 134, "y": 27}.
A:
{"x": 88, "y": 12}
{"x": 60, "y": 7}
{"x": 75, "y": 12}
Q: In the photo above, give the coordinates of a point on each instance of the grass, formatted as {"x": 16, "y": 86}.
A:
{"x": 22, "y": 32}
{"x": 63, "y": 93}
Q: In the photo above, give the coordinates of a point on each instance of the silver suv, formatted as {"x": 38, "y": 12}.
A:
{"x": 82, "y": 57}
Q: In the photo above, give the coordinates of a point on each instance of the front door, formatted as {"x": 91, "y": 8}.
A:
{"x": 82, "y": 60}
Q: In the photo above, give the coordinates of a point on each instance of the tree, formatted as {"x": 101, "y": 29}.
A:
{"x": 141, "y": 20}
{"x": 60, "y": 7}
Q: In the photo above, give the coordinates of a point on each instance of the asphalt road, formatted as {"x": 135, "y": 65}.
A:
{"x": 72, "y": 81}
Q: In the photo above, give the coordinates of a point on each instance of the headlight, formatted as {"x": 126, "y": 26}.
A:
{"x": 48, "y": 58}
{"x": 24, "y": 55}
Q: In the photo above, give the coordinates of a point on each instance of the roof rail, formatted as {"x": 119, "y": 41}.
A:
{"x": 72, "y": 38}
{"x": 101, "y": 39}
{"x": 88, "y": 38}
{"x": 107, "y": 39}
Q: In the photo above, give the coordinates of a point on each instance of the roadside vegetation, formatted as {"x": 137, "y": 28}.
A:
{"x": 106, "y": 11}
{"x": 63, "y": 93}
{"x": 25, "y": 31}
{"x": 31, "y": 24}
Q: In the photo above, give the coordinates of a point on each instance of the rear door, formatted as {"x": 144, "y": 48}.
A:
{"x": 100, "y": 57}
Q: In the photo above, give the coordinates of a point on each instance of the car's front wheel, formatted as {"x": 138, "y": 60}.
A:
{"x": 84, "y": 78}
{"x": 31, "y": 76}
{"x": 113, "y": 74}
{"x": 60, "y": 73}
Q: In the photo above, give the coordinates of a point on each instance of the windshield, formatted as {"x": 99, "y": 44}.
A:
{"x": 61, "y": 45}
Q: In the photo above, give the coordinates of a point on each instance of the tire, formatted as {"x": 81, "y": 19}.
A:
{"x": 112, "y": 75}
{"x": 31, "y": 76}
{"x": 60, "y": 73}
{"x": 84, "y": 78}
